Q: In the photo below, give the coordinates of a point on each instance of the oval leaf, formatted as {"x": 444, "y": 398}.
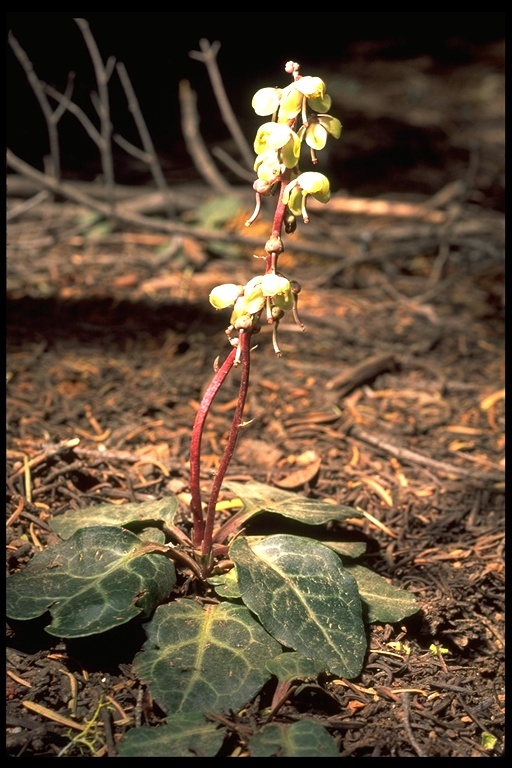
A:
{"x": 259, "y": 497}
{"x": 98, "y": 579}
{"x": 382, "y": 601}
{"x": 294, "y": 666}
{"x": 161, "y": 510}
{"x": 204, "y": 659}
{"x": 304, "y": 597}
{"x": 189, "y": 735}
{"x": 303, "y": 739}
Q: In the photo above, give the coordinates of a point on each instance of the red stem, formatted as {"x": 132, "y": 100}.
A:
{"x": 195, "y": 446}
{"x": 203, "y": 531}
{"x": 277, "y": 224}
{"x": 245, "y": 342}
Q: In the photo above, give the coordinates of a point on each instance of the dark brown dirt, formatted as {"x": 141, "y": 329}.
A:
{"x": 392, "y": 400}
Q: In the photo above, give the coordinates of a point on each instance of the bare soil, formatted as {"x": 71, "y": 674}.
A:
{"x": 391, "y": 400}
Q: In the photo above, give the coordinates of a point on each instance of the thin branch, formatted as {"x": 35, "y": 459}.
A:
{"x": 150, "y": 156}
{"x": 195, "y": 143}
{"x": 78, "y": 112}
{"x": 208, "y": 57}
{"x": 102, "y": 104}
{"x": 228, "y": 161}
{"x": 27, "y": 205}
{"x": 51, "y": 116}
{"x": 127, "y": 213}
{"x": 407, "y": 725}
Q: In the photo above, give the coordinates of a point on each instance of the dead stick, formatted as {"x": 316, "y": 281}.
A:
{"x": 418, "y": 458}
{"x": 360, "y": 374}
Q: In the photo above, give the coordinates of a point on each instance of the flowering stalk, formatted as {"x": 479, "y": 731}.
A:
{"x": 195, "y": 447}
{"x": 245, "y": 342}
{"x": 265, "y": 298}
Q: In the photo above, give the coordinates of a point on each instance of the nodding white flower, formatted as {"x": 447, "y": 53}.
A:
{"x": 225, "y": 295}
{"x": 315, "y": 132}
{"x": 311, "y": 87}
{"x": 279, "y": 289}
{"x": 243, "y": 312}
{"x": 268, "y": 167}
{"x": 291, "y": 104}
{"x": 278, "y": 136}
{"x": 253, "y": 297}
{"x": 266, "y": 101}
{"x": 320, "y": 105}
{"x": 310, "y": 183}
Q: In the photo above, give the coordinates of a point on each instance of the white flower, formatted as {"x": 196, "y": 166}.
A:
{"x": 225, "y": 295}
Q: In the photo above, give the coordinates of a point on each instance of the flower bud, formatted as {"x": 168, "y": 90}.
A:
{"x": 268, "y": 167}
{"x": 262, "y": 187}
{"x": 277, "y": 313}
{"x": 290, "y": 223}
{"x": 243, "y": 323}
{"x": 274, "y": 245}
{"x": 272, "y": 136}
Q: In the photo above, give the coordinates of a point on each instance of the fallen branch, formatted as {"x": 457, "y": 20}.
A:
{"x": 418, "y": 458}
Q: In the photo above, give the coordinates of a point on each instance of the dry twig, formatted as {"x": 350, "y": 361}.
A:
{"x": 208, "y": 56}
{"x": 195, "y": 144}
{"x": 51, "y": 116}
{"x": 149, "y": 155}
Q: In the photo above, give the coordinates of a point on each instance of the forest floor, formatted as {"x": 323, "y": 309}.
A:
{"x": 392, "y": 400}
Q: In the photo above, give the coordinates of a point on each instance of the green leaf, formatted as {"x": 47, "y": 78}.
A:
{"x": 218, "y": 211}
{"x": 99, "y": 579}
{"x": 302, "y": 739}
{"x": 259, "y": 497}
{"x": 226, "y": 585}
{"x": 383, "y": 602}
{"x": 353, "y": 549}
{"x": 488, "y": 740}
{"x": 294, "y": 666}
{"x": 147, "y": 535}
{"x": 304, "y": 597}
{"x": 203, "y": 659}
{"x": 124, "y": 515}
{"x": 183, "y": 735}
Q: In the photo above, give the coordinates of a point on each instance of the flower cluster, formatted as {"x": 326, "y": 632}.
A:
{"x": 272, "y": 292}
{"x": 278, "y": 146}
{"x": 278, "y": 143}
